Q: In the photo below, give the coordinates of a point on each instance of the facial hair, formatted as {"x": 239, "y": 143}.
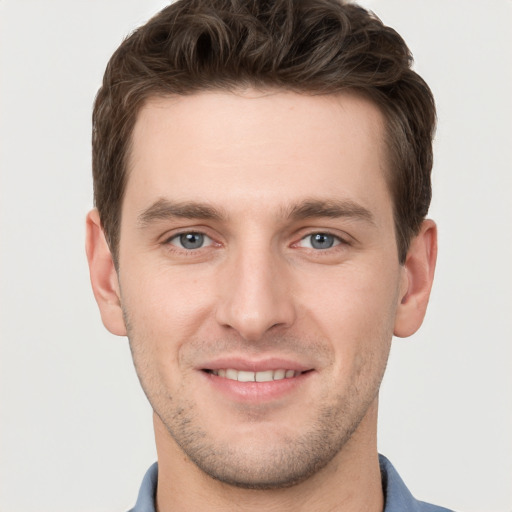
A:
{"x": 279, "y": 458}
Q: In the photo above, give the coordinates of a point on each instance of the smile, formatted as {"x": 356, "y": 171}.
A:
{"x": 248, "y": 376}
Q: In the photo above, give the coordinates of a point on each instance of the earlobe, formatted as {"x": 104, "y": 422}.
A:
{"x": 103, "y": 275}
{"x": 417, "y": 278}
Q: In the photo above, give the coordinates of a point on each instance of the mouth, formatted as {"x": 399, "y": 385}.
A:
{"x": 256, "y": 382}
{"x": 261, "y": 376}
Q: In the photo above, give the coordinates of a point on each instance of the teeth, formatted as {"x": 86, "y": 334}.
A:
{"x": 279, "y": 374}
{"x": 265, "y": 376}
{"x": 232, "y": 374}
{"x": 246, "y": 376}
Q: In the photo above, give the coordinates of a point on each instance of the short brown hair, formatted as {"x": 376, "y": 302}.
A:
{"x": 305, "y": 46}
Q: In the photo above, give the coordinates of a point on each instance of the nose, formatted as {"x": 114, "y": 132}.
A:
{"x": 256, "y": 294}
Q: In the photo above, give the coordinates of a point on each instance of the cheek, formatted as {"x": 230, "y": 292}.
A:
{"x": 165, "y": 298}
{"x": 163, "y": 309}
{"x": 354, "y": 308}
{"x": 360, "y": 289}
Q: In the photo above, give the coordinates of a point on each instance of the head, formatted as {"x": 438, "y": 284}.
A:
{"x": 261, "y": 174}
{"x": 318, "y": 47}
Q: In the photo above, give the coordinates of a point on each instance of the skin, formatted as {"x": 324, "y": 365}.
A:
{"x": 258, "y": 174}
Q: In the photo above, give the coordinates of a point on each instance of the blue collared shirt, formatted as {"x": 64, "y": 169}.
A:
{"x": 397, "y": 497}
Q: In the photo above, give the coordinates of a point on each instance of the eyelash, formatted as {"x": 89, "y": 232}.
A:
{"x": 178, "y": 236}
{"x": 337, "y": 241}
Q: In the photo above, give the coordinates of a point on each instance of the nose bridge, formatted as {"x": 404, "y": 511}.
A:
{"x": 256, "y": 295}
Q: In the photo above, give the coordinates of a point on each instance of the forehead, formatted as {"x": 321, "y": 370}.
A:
{"x": 257, "y": 147}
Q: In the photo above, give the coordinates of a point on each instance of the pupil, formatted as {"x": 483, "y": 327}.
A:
{"x": 322, "y": 241}
{"x": 192, "y": 240}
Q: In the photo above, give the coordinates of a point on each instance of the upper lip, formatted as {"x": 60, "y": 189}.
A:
{"x": 253, "y": 365}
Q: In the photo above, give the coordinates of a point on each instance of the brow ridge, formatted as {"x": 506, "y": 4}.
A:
{"x": 330, "y": 208}
{"x": 164, "y": 209}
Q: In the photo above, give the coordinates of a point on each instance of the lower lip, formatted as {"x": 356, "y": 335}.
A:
{"x": 257, "y": 391}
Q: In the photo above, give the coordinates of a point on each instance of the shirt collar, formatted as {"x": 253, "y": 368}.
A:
{"x": 397, "y": 497}
{"x": 147, "y": 492}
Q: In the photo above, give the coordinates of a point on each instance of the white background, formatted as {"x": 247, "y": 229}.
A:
{"x": 75, "y": 429}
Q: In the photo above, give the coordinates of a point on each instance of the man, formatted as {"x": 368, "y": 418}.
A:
{"x": 262, "y": 177}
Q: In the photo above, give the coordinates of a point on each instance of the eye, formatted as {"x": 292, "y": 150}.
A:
{"x": 320, "y": 241}
{"x": 190, "y": 241}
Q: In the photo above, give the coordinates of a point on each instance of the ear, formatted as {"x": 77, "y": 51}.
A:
{"x": 417, "y": 277}
{"x": 104, "y": 280}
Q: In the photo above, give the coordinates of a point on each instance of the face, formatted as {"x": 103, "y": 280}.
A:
{"x": 259, "y": 277}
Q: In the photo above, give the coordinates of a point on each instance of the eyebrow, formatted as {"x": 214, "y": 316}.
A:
{"x": 164, "y": 209}
{"x": 331, "y": 208}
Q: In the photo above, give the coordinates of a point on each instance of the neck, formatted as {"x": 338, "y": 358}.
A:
{"x": 350, "y": 482}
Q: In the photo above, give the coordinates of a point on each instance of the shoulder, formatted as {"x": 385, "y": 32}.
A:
{"x": 398, "y": 498}
{"x": 428, "y": 507}
{"x": 147, "y": 492}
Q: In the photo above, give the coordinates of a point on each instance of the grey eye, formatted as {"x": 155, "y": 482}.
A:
{"x": 320, "y": 241}
{"x": 191, "y": 240}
